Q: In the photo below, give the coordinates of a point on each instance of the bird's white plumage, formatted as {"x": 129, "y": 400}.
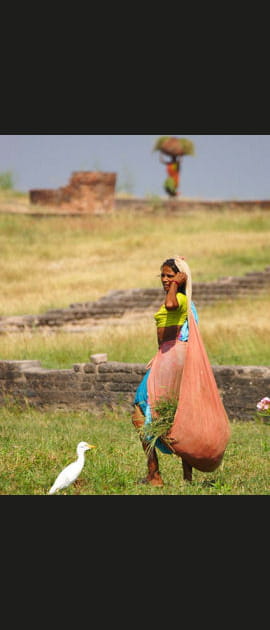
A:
{"x": 69, "y": 474}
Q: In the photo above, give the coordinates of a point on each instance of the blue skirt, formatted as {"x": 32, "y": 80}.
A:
{"x": 141, "y": 399}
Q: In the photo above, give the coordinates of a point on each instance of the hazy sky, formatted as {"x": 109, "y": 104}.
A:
{"x": 224, "y": 166}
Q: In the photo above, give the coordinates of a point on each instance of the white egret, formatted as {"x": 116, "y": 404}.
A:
{"x": 69, "y": 474}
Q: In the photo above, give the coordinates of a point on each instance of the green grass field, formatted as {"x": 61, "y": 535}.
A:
{"x": 35, "y": 446}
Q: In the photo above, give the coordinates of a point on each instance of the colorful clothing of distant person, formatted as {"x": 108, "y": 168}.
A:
{"x": 172, "y": 182}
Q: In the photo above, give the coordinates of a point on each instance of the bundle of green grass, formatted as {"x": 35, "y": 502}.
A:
{"x": 162, "y": 421}
{"x": 174, "y": 146}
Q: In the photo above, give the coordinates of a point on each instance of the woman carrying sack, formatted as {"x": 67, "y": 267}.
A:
{"x": 181, "y": 371}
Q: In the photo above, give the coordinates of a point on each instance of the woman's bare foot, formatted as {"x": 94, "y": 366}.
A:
{"x": 153, "y": 480}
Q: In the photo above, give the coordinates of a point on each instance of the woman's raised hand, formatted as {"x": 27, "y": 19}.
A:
{"x": 180, "y": 278}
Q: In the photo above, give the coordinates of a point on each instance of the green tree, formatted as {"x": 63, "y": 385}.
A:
{"x": 6, "y": 181}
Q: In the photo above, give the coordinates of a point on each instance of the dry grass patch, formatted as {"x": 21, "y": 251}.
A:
{"x": 52, "y": 261}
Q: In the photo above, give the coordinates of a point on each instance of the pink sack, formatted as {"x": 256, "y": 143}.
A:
{"x": 201, "y": 429}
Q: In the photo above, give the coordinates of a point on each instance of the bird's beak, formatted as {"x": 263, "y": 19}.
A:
{"x": 91, "y": 446}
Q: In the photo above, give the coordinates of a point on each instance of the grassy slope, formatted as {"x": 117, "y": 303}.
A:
{"x": 52, "y": 262}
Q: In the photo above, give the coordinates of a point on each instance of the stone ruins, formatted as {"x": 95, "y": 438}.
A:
{"x": 89, "y": 192}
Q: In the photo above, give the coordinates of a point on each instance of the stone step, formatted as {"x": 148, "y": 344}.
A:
{"x": 117, "y": 304}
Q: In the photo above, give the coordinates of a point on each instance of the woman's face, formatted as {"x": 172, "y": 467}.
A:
{"x": 167, "y": 275}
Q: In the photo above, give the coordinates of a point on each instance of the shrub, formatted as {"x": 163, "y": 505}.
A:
{"x": 6, "y": 181}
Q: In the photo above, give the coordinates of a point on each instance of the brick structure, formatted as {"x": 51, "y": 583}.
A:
{"x": 86, "y": 192}
{"x": 183, "y": 206}
{"x": 91, "y": 385}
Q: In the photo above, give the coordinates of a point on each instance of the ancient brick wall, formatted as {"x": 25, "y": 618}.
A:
{"x": 100, "y": 382}
{"x": 87, "y": 192}
{"x": 118, "y": 304}
{"x": 182, "y": 206}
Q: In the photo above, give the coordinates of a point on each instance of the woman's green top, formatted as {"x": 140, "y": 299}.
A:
{"x": 165, "y": 318}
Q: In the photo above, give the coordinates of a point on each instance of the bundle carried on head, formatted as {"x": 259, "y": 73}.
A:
{"x": 174, "y": 146}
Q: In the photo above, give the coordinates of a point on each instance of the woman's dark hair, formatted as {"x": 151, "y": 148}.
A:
{"x": 171, "y": 263}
